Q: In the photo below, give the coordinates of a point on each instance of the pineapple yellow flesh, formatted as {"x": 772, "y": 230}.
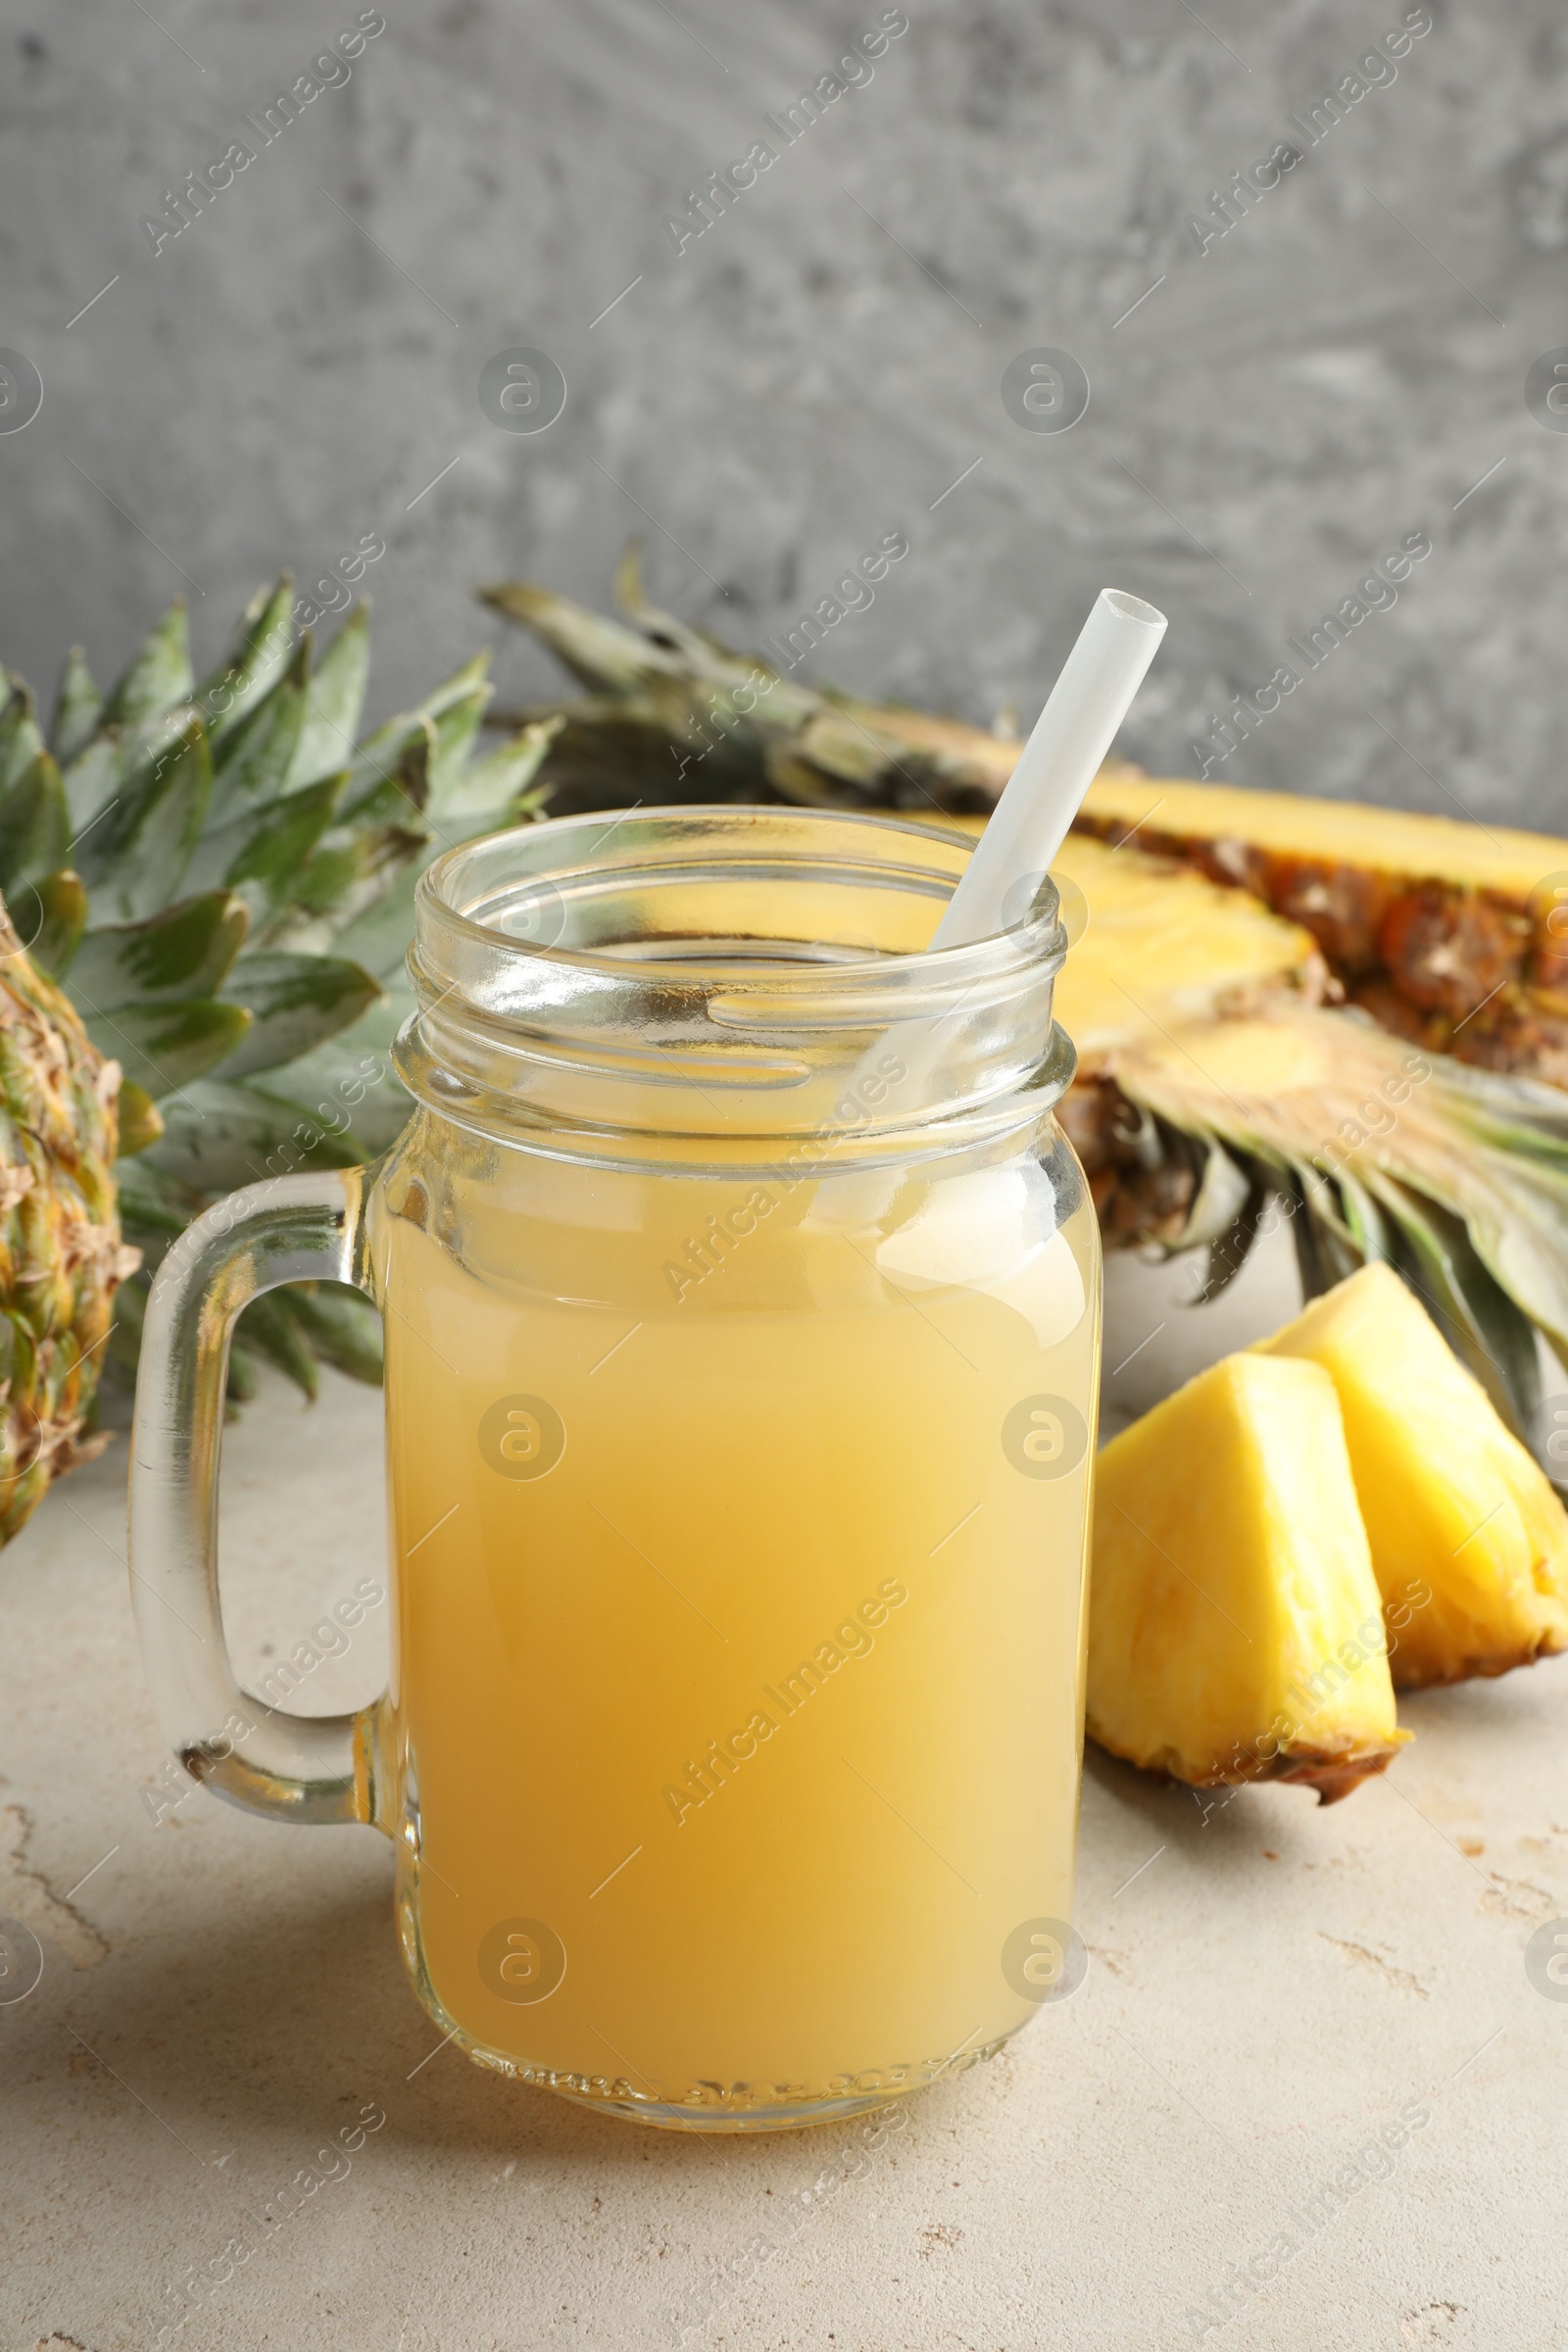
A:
{"x": 1236, "y": 1628}
{"x": 1469, "y": 1542}
{"x": 1392, "y": 842}
{"x": 1162, "y": 948}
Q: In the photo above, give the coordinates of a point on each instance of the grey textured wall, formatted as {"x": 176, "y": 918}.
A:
{"x": 1336, "y": 372}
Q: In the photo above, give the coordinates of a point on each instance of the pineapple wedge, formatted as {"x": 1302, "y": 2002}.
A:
{"x": 1235, "y": 1626}
{"x": 1469, "y": 1542}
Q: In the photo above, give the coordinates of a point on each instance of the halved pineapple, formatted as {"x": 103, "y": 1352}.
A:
{"x": 1451, "y": 934}
{"x": 1235, "y": 1626}
{"x": 1469, "y": 1542}
{"x": 1453, "y": 938}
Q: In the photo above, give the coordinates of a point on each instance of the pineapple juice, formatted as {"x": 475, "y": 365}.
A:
{"x": 739, "y": 1550}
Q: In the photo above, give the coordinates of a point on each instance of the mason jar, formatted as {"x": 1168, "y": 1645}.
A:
{"x": 741, "y": 1302}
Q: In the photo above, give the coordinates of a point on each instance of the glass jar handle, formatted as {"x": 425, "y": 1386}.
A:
{"x": 291, "y": 1767}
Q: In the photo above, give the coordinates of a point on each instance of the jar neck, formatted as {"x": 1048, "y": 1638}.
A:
{"x": 731, "y": 988}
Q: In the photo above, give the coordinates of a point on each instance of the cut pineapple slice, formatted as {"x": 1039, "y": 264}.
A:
{"x": 1235, "y": 1627}
{"x": 1469, "y": 1542}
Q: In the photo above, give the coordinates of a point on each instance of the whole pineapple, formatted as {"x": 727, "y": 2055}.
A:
{"x": 210, "y": 891}
{"x": 60, "y": 1254}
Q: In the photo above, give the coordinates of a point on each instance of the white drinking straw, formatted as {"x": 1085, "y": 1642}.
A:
{"x": 1057, "y": 766}
{"x": 1029, "y": 824}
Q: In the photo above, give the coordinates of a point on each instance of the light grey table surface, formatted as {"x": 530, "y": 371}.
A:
{"x": 1272, "y": 1986}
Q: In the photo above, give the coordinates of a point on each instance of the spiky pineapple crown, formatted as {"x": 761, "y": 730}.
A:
{"x": 221, "y": 878}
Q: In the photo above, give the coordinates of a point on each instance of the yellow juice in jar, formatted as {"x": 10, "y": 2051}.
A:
{"x": 738, "y": 1654}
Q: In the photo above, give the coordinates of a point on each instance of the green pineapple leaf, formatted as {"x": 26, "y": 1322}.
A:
{"x": 158, "y": 674}
{"x": 257, "y": 659}
{"x": 330, "y": 879}
{"x": 341, "y": 1325}
{"x": 455, "y": 727}
{"x": 1475, "y": 1315}
{"x": 446, "y": 721}
{"x": 603, "y": 654}
{"x": 93, "y": 777}
{"x": 182, "y": 951}
{"x": 252, "y": 759}
{"x": 392, "y": 769}
{"x": 20, "y": 741}
{"x": 334, "y": 698}
{"x": 1369, "y": 1229}
{"x": 79, "y": 708}
{"x": 162, "y": 1210}
{"x": 222, "y": 1133}
{"x": 296, "y": 1003}
{"x": 379, "y": 934}
{"x": 354, "y": 867}
{"x": 396, "y": 782}
{"x": 34, "y": 825}
{"x": 482, "y": 795}
{"x": 470, "y": 679}
{"x": 268, "y": 845}
{"x": 162, "y": 1046}
{"x": 135, "y": 854}
{"x": 349, "y": 1082}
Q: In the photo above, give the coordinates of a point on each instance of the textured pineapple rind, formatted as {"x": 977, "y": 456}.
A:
{"x": 1332, "y": 1771}
{"x": 1260, "y": 1654}
{"x": 1469, "y": 1541}
{"x": 60, "y": 1254}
